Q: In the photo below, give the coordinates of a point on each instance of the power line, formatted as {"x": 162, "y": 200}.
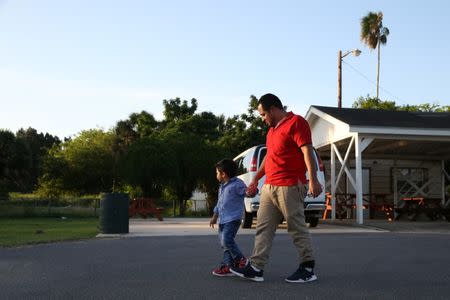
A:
{"x": 372, "y": 82}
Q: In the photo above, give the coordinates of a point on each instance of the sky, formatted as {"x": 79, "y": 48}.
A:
{"x": 68, "y": 66}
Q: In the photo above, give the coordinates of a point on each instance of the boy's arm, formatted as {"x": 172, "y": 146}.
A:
{"x": 242, "y": 190}
{"x": 213, "y": 220}
{"x": 214, "y": 217}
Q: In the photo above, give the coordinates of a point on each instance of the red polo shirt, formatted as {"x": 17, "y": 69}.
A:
{"x": 285, "y": 164}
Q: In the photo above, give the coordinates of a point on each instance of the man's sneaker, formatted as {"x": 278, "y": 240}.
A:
{"x": 222, "y": 271}
{"x": 248, "y": 272}
{"x": 241, "y": 263}
{"x": 302, "y": 275}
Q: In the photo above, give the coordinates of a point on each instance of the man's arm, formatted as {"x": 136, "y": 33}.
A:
{"x": 252, "y": 189}
{"x": 259, "y": 174}
{"x": 314, "y": 185}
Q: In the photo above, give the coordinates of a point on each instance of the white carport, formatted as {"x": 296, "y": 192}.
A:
{"x": 347, "y": 134}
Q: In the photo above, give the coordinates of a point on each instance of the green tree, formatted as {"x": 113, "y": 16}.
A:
{"x": 204, "y": 125}
{"x": 55, "y": 174}
{"x": 426, "y": 107}
{"x": 38, "y": 145}
{"x": 176, "y": 110}
{"x": 137, "y": 125}
{"x": 208, "y": 182}
{"x": 445, "y": 108}
{"x": 15, "y": 163}
{"x": 7, "y": 141}
{"x": 88, "y": 163}
{"x": 194, "y": 138}
{"x": 144, "y": 123}
{"x": 150, "y": 164}
{"x": 91, "y": 161}
{"x": 373, "y": 34}
{"x": 194, "y": 164}
{"x": 257, "y": 129}
{"x": 236, "y": 134}
{"x": 375, "y": 103}
{"x": 241, "y": 132}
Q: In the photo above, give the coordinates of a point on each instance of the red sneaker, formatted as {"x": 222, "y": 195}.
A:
{"x": 241, "y": 263}
{"x": 222, "y": 271}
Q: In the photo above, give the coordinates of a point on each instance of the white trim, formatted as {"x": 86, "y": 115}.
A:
{"x": 358, "y": 173}
{"x": 408, "y": 137}
{"x": 333, "y": 184}
{"x": 341, "y": 138}
{"x": 400, "y": 131}
{"x": 401, "y": 156}
{"x": 344, "y": 163}
{"x": 443, "y": 181}
{"x": 325, "y": 116}
{"x": 394, "y": 172}
{"x": 365, "y": 142}
{"x": 446, "y": 174}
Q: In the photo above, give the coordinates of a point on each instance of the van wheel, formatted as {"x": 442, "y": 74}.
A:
{"x": 313, "y": 222}
{"x": 248, "y": 220}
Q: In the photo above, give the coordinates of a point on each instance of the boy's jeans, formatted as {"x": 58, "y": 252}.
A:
{"x": 227, "y": 233}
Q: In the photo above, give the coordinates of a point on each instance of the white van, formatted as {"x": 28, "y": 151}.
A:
{"x": 248, "y": 163}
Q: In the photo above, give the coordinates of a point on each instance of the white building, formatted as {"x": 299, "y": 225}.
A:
{"x": 381, "y": 156}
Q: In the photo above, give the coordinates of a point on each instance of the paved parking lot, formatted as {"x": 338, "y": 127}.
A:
{"x": 152, "y": 263}
{"x": 367, "y": 265}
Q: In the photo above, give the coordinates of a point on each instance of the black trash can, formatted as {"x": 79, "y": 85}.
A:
{"x": 114, "y": 215}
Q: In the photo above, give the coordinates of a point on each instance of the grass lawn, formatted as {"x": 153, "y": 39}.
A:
{"x": 22, "y": 231}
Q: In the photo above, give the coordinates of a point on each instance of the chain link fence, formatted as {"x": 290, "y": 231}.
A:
{"x": 30, "y": 206}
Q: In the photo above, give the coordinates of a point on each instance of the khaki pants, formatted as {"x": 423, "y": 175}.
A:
{"x": 277, "y": 202}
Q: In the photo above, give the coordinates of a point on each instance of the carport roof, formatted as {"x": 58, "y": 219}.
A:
{"x": 385, "y": 118}
{"x": 389, "y": 134}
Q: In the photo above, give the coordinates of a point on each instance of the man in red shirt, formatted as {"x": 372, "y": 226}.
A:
{"x": 289, "y": 157}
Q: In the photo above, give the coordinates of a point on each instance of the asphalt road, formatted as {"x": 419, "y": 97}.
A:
{"x": 349, "y": 266}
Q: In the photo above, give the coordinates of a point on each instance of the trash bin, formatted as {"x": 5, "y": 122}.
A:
{"x": 114, "y": 213}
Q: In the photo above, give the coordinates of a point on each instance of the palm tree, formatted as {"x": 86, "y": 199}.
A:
{"x": 373, "y": 34}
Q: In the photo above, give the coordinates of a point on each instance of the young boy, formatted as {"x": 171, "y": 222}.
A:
{"x": 229, "y": 210}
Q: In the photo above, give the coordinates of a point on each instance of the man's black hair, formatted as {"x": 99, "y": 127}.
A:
{"x": 228, "y": 166}
{"x": 269, "y": 100}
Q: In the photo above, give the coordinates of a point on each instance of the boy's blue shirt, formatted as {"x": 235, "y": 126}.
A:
{"x": 230, "y": 205}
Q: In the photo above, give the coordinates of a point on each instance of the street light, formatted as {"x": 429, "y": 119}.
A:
{"x": 354, "y": 52}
